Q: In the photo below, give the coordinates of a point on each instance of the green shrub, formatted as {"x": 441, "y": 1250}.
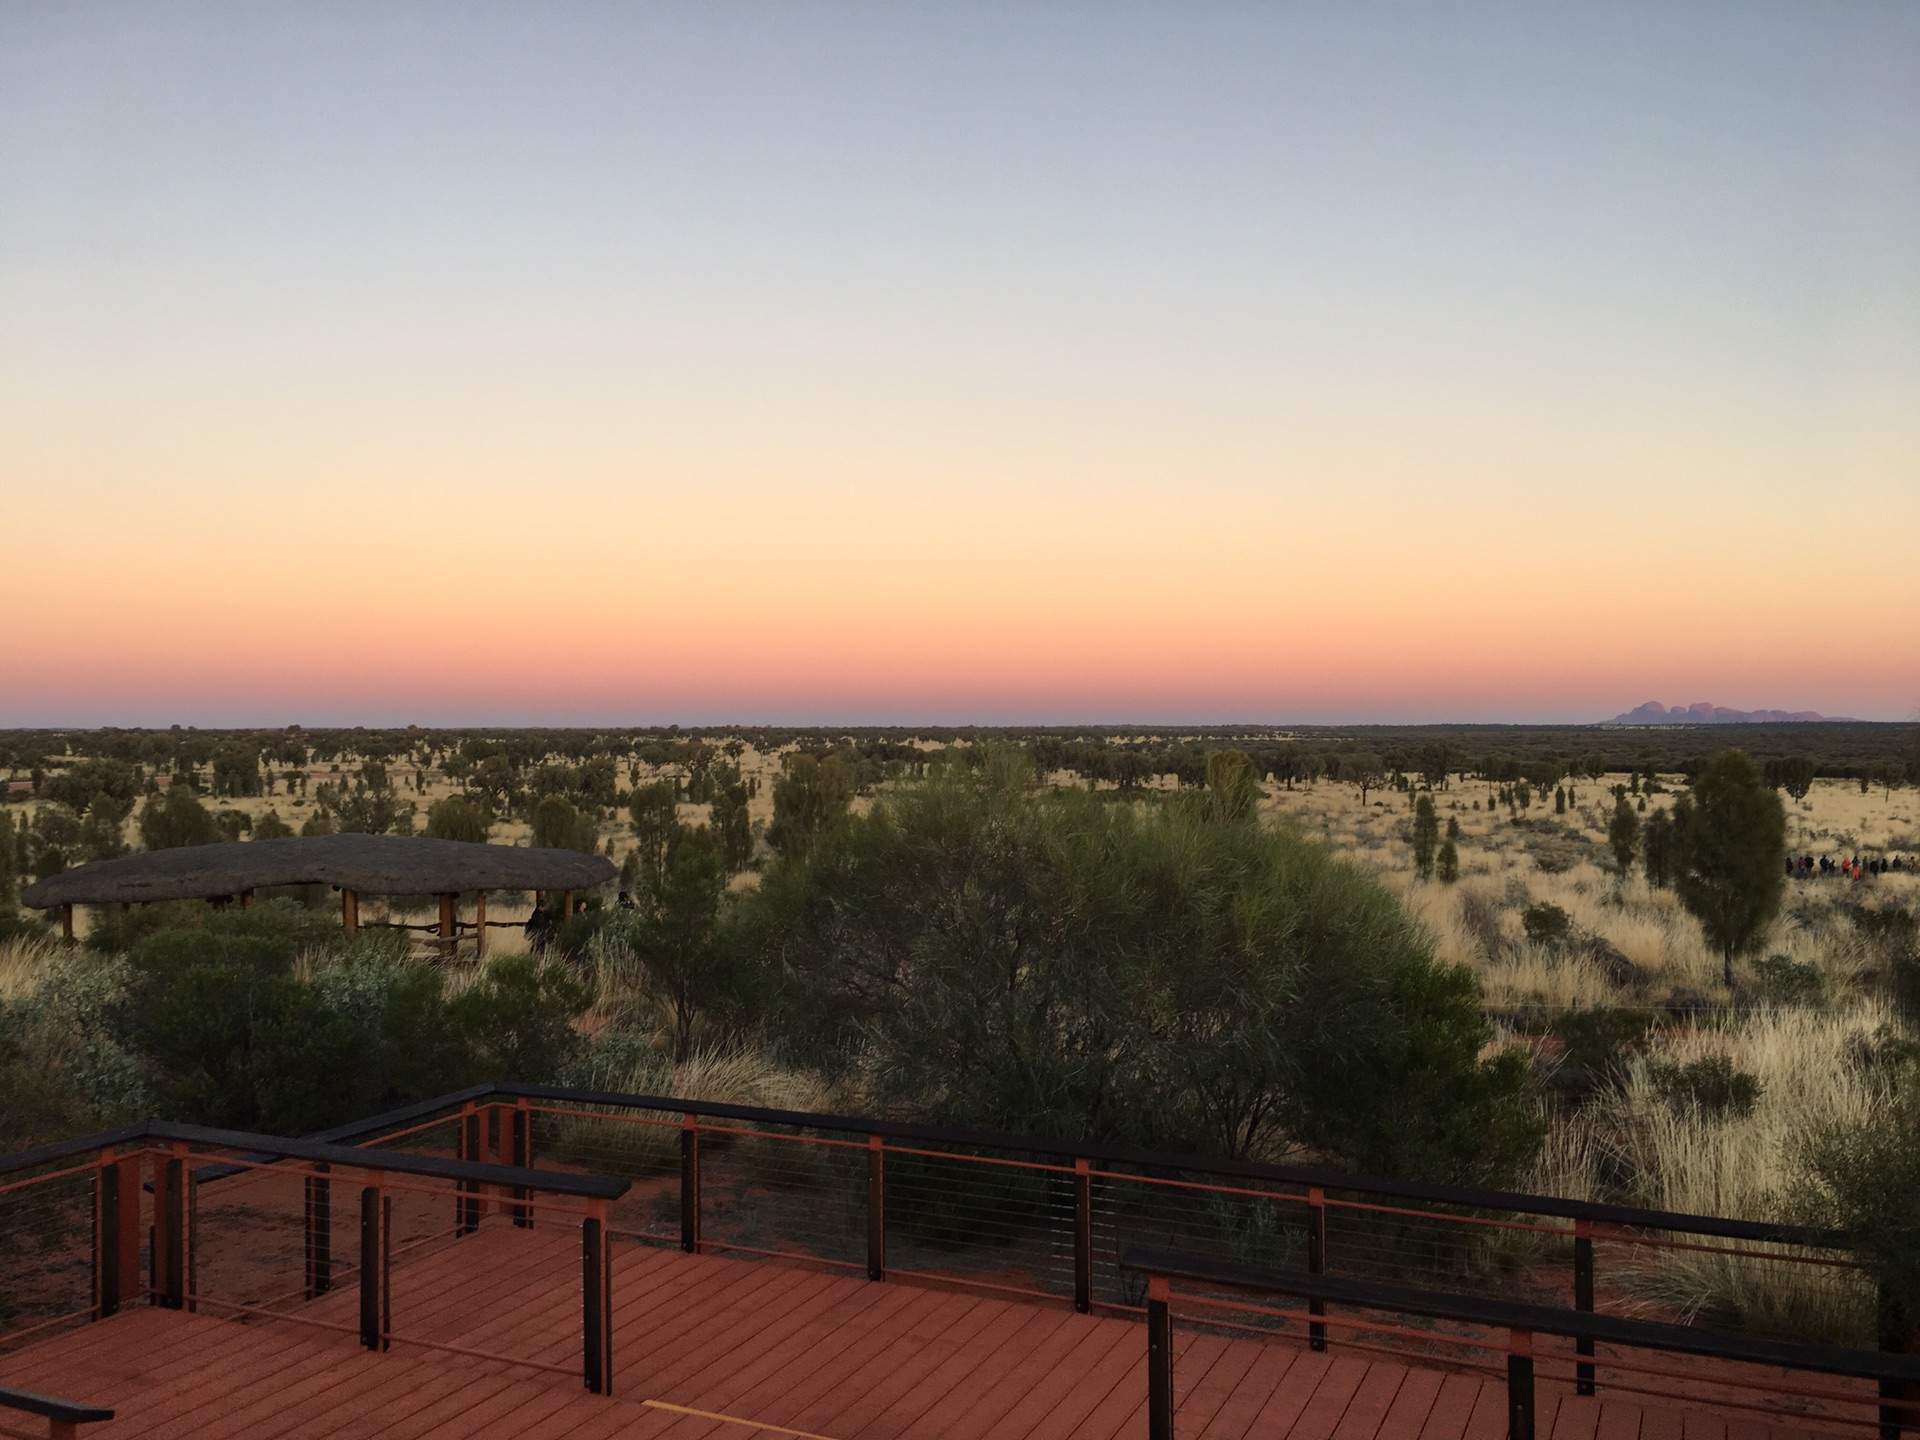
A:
{"x": 1711, "y": 1086}
{"x": 458, "y": 818}
{"x": 175, "y": 818}
{"x": 1786, "y": 981}
{"x": 1598, "y": 1045}
{"x": 1547, "y": 924}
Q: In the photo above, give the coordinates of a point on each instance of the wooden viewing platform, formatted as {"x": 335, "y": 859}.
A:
{"x": 709, "y": 1346}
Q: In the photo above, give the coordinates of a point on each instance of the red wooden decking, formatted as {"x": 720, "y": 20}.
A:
{"x": 708, "y": 1348}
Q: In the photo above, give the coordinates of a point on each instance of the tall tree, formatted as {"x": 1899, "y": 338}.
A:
{"x": 1426, "y": 834}
{"x": 175, "y": 817}
{"x": 1623, "y": 833}
{"x": 808, "y": 797}
{"x": 1732, "y": 838}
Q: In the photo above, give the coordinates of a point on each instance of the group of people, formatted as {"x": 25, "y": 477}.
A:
{"x": 543, "y": 924}
{"x": 1804, "y": 867}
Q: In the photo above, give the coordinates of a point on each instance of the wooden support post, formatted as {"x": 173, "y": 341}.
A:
{"x": 1583, "y": 1300}
{"x": 876, "y": 1208}
{"x": 66, "y": 923}
{"x": 596, "y": 1297}
{"x": 1083, "y": 1235}
{"x": 1316, "y": 1262}
{"x": 1520, "y": 1385}
{"x": 350, "y": 911}
{"x": 319, "y": 1227}
{"x": 566, "y": 908}
{"x": 448, "y": 921}
{"x": 690, "y": 1184}
{"x": 1159, "y": 1358}
{"x": 246, "y": 899}
{"x": 479, "y": 924}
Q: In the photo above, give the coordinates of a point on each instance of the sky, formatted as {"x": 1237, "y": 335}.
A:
{"x": 814, "y": 363}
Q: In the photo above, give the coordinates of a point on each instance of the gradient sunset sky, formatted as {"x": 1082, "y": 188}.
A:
{"x": 607, "y": 363}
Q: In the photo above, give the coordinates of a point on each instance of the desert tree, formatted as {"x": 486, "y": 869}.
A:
{"x": 1732, "y": 847}
{"x": 458, "y": 818}
{"x": 807, "y": 798}
{"x": 729, "y": 818}
{"x": 175, "y": 818}
{"x": 1426, "y": 835}
{"x": 1364, "y": 769}
{"x": 557, "y": 825}
{"x": 1623, "y": 834}
{"x": 1447, "y": 863}
{"x": 271, "y": 827}
{"x": 655, "y": 819}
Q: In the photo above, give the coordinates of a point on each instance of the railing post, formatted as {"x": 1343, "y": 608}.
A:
{"x": 192, "y": 1187}
{"x": 1316, "y": 1262}
{"x": 466, "y": 1193}
{"x": 376, "y": 1312}
{"x": 1893, "y": 1340}
{"x": 319, "y": 1217}
{"x": 172, "y": 1283}
{"x": 876, "y": 1208}
{"x": 131, "y": 1233}
{"x": 522, "y": 1156}
{"x": 690, "y": 1184}
{"x": 106, "y": 1237}
{"x": 596, "y": 1296}
{"x": 1082, "y": 1234}
{"x": 1583, "y": 1300}
{"x": 1520, "y": 1385}
{"x": 1159, "y": 1358}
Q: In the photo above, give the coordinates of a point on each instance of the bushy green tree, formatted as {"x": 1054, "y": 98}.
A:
{"x": 55, "y": 839}
{"x": 9, "y": 865}
{"x": 1053, "y": 965}
{"x": 1657, "y": 849}
{"x": 1623, "y": 834}
{"x": 271, "y": 827}
{"x": 674, "y": 929}
{"x": 656, "y": 823}
{"x": 1731, "y": 837}
{"x": 807, "y": 798}
{"x": 1447, "y": 864}
{"x": 236, "y": 771}
{"x": 558, "y": 826}
{"x": 1426, "y": 834}
{"x": 731, "y": 822}
{"x": 458, "y": 818}
{"x": 174, "y": 818}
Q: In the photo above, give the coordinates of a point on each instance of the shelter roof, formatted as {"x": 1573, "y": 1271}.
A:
{"x": 369, "y": 864}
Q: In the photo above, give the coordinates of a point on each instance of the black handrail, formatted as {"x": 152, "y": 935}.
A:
{"x": 1520, "y": 1315}
{"x": 67, "y": 1412}
{"x": 268, "y": 1148}
{"x": 1468, "y": 1197}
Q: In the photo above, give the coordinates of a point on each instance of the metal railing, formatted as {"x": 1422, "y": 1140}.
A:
{"x": 1374, "y": 1315}
{"x": 127, "y": 1214}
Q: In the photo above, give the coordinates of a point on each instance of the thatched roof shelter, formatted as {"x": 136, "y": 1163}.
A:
{"x": 353, "y": 864}
{"x": 367, "y": 864}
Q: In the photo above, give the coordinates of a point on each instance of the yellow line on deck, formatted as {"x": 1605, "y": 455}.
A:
{"x": 734, "y": 1420}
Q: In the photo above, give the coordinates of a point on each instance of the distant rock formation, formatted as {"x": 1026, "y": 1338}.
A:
{"x": 1701, "y": 713}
